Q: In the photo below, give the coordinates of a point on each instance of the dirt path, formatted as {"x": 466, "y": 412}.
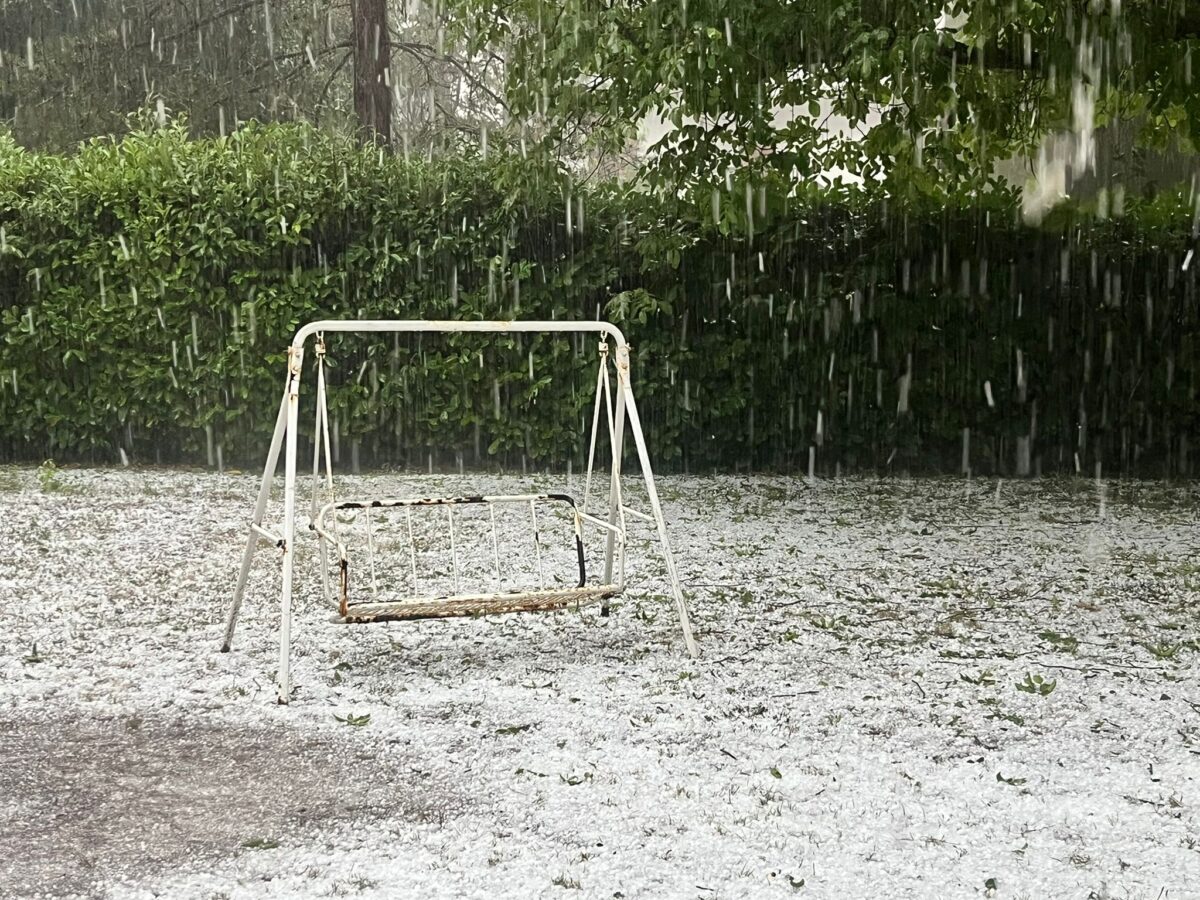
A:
{"x": 86, "y": 802}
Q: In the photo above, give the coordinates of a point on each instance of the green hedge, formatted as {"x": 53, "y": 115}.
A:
{"x": 148, "y": 289}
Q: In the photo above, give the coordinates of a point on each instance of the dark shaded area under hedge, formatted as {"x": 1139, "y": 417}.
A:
{"x": 148, "y": 290}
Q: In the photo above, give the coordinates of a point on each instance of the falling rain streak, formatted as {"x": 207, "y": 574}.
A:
{"x": 959, "y": 255}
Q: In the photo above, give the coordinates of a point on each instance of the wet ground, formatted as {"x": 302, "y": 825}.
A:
{"x": 912, "y": 689}
{"x": 86, "y": 802}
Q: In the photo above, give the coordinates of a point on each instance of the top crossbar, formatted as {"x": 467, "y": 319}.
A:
{"x": 443, "y": 326}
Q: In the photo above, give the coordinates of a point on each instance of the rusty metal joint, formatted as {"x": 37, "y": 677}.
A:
{"x": 264, "y": 533}
{"x": 295, "y": 361}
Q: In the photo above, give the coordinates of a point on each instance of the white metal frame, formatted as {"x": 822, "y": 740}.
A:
{"x": 285, "y": 438}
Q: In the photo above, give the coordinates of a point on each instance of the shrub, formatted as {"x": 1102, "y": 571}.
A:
{"x": 149, "y": 287}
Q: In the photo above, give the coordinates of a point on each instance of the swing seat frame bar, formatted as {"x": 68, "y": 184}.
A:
{"x": 469, "y": 605}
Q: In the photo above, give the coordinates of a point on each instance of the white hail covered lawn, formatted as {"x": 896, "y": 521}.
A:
{"x": 906, "y": 688}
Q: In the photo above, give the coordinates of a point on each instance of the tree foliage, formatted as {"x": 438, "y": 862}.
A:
{"x": 149, "y": 287}
{"x": 917, "y": 97}
{"x": 75, "y": 69}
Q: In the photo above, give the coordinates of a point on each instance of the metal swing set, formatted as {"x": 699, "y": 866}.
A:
{"x": 614, "y": 408}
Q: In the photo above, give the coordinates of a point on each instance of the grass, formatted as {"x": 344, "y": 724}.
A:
{"x": 1165, "y": 651}
{"x": 50, "y": 478}
{"x": 1065, "y": 642}
{"x": 1037, "y": 684}
{"x": 260, "y": 843}
{"x": 855, "y": 621}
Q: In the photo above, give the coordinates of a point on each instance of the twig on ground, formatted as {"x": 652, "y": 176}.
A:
{"x": 1101, "y": 667}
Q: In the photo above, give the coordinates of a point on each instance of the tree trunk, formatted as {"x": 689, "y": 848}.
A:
{"x": 372, "y": 57}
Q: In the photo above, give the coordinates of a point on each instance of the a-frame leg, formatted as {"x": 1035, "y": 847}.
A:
{"x": 285, "y": 438}
{"x": 321, "y": 441}
{"x": 625, "y": 392}
{"x": 292, "y": 410}
{"x": 252, "y": 539}
{"x": 616, "y": 515}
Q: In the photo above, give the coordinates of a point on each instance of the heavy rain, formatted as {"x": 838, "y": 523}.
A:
{"x": 748, "y": 448}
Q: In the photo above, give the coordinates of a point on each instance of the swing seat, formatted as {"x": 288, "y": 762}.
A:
{"x": 475, "y": 604}
{"x": 458, "y": 603}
